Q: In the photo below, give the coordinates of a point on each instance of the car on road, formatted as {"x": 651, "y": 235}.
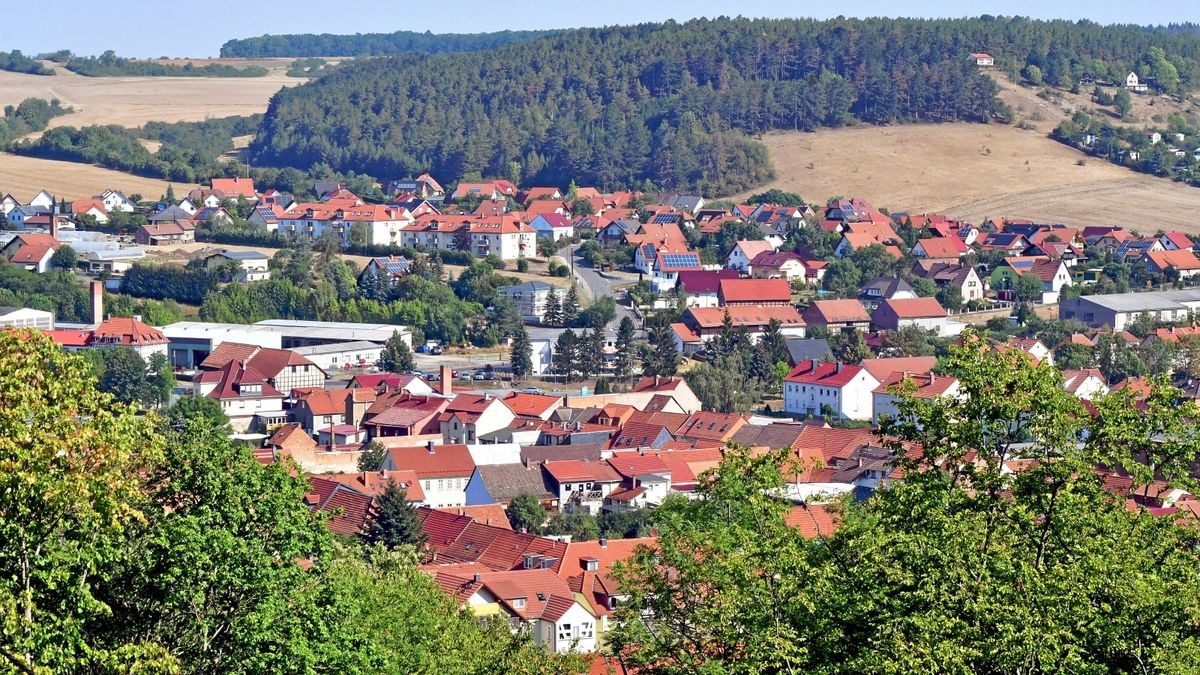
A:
{"x": 531, "y": 390}
{"x": 479, "y": 376}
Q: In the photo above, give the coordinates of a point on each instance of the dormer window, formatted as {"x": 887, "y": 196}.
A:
{"x": 591, "y": 564}
{"x": 518, "y": 602}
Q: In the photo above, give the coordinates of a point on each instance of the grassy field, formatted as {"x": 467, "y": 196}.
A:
{"x": 24, "y": 176}
{"x": 977, "y": 171}
{"x": 129, "y": 102}
{"x": 133, "y": 101}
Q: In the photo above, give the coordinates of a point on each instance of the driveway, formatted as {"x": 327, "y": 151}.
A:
{"x": 598, "y": 284}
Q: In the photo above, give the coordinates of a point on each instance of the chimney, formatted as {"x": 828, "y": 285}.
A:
{"x": 53, "y": 227}
{"x": 447, "y": 383}
{"x": 430, "y": 446}
{"x": 839, "y": 367}
{"x": 477, "y": 578}
{"x": 656, "y": 380}
{"x": 97, "y": 302}
{"x": 603, "y": 542}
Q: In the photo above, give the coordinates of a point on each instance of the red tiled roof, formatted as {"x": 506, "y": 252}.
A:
{"x": 914, "y": 308}
{"x": 531, "y": 405}
{"x": 711, "y": 425}
{"x": 1179, "y": 259}
{"x": 745, "y": 315}
{"x": 823, "y": 374}
{"x": 127, "y": 331}
{"x": 836, "y": 311}
{"x": 634, "y": 464}
{"x": 444, "y": 461}
{"x": 30, "y": 254}
{"x": 574, "y": 471}
{"x": 322, "y": 401}
{"x": 881, "y": 369}
{"x": 638, "y": 434}
{"x": 813, "y": 520}
{"x": 927, "y": 385}
{"x": 233, "y": 187}
{"x": 1179, "y": 239}
{"x": 487, "y": 514}
{"x": 756, "y": 290}
{"x": 943, "y": 247}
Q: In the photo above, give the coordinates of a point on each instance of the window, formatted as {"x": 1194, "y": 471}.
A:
{"x": 518, "y": 602}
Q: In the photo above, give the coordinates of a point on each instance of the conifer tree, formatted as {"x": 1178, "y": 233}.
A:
{"x": 625, "y": 357}
{"x": 394, "y": 521}
{"x": 522, "y": 355}
{"x": 570, "y": 307}
{"x": 396, "y": 357}
{"x": 552, "y": 315}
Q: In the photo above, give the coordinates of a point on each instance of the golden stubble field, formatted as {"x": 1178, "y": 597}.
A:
{"x": 977, "y": 171}
{"x": 129, "y": 102}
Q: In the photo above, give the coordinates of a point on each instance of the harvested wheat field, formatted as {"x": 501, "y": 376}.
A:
{"x": 24, "y": 176}
{"x": 133, "y": 101}
{"x": 976, "y": 171}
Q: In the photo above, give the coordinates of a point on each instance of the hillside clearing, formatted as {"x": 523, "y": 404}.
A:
{"x": 133, "y": 101}
{"x": 24, "y": 176}
{"x": 976, "y": 171}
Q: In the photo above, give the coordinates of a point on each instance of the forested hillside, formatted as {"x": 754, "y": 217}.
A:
{"x": 371, "y": 44}
{"x": 670, "y": 103}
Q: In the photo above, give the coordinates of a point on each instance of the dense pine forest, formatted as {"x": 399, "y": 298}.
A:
{"x": 372, "y": 44}
{"x": 671, "y": 104}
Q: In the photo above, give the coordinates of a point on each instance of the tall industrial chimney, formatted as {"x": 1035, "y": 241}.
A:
{"x": 97, "y": 302}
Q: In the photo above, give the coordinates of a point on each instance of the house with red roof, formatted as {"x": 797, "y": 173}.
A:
{"x": 814, "y": 388}
{"x": 1054, "y": 275}
{"x": 700, "y": 287}
{"x": 581, "y": 484}
{"x": 838, "y": 315}
{"x": 1085, "y": 384}
{"x": 536, "y": 406}
{"x": 128, "y": 332}
{"x": 745, "y": 251}
{"x": 940, "y": 248}
{"x": 535, "y": 599}
{"x": 896, "y": 313}
{"x": 1176, "y": 241}
{"x": 1182, "y": 262}
{"x": 442, "y": 471}
{"x": 246, "y": 398}
{"x": 958, "y": 276}
{"x": 232, "y": 188}
{"x": 552, "y": 225}
{"x": 587, "y": 568}
{"x": 711, "y": 426}
{"x": 469, "y": 416}
{"x": 318, "y": 408}
{"x": 283, "y": 369}
{"x": 698, "y": 325}
{"x": 646, "y": 481}
{"x": 778, "y": 265}
{"x": 92, "y": 207}
{"x": 756, "y": 292}
{"x": 398, "y": 413}
{"x": 887, "y": 395}
{"x": 348, "y": 508}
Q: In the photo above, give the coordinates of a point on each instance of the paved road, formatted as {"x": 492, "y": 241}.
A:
{"x": 598, "y": 284}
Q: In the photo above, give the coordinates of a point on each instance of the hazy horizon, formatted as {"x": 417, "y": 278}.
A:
{"x": 176, "y": 30}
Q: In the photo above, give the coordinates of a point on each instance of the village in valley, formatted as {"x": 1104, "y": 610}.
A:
{"x": 820, "y": 312}
{"x": 567, "y": 408}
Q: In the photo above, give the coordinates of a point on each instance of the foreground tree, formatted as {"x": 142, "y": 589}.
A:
{"x": 522, "y": 354}
{"x": 963, "y": 566}
{"x": 70, "y": 458}
{"x": 526, "y": 513}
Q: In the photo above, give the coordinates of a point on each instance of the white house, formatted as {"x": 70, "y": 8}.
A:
{"x": 744, "y": 252}
{"x": 1085, "y": 384}
{"x": 582, "y": 485}
{"x": 470, "y": 416}
{"x": 115, "y": 200}
{"x": 253, "y": 265}
{"x": 443, "y": 470}
{"x": 245, "y": 396}
{"x": 845, "y": 389}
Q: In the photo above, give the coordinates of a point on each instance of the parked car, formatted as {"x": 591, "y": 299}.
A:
{"x": 480, "y": 376}
{"x": 531, "y": 390}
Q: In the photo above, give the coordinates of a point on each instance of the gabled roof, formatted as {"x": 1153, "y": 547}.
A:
{"x": 575, "y": 471}
{"x": 753, "y": 247}
{"x": 881, "y": 369}
{"x": 942, "y": 247}
{"x": 704, "y": 281}
{"x": 711, "y": 425}
{"x": 755, "y": 290}
{"x": 634, "y": 464}
{"x": 444, "y": 461}
{"x": 531, "y": 405}
{"x": 836, "y": 311}
{"x": 823, "y": 374}
{"x": 1180, "y": 259}
{"x": 913, "y": 308}
{"x": 127, "y": 331}
{"x": 926, "y": 385}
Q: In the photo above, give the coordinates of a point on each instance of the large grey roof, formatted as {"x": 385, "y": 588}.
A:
{"x": 1138, "y": 302}
{"x": 506, "y": 481}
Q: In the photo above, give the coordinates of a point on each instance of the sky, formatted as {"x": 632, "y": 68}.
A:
{"x": 151, "y": 28}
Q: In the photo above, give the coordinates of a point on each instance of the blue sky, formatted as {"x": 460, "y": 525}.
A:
{"x": 149, "y": 28}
